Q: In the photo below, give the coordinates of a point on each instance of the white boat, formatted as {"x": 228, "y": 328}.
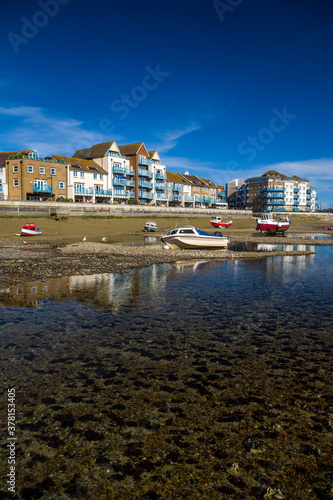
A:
{"x": 150, "y": 226}
{"x": 191, "y": 237}
{"x": 216, "y": 221}
{"x": 30, "y": 229}
{"x": 268, "y": 225}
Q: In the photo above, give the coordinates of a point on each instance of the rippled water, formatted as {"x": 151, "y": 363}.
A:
{"x": 194, "y": 380}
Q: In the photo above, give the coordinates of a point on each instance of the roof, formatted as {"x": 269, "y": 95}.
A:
{"x": 277, "y": 175}
{"x": 96, "y": 151}
{"x": 209, "y": 182}
{"x": 131, "y": 149}
{"x": 194, "y": 180}
{"x": 171, "y": 177}
{"x": 4, "y": 154}
{"x": 81, "y": 164}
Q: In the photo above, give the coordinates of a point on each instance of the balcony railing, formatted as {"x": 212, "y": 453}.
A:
{"x": 119, "y": 170}
{"x": 130, "y": 183}
{"x": 117, "y": 181}
{"x": 83, "y": 190}
{"x": 1, "y": 188}
{"x": 176, "y": 197}
{"x": 145, "y": 173}
{"x": 162, "y": 196}
{"x": 273, "y": 188}
{"x": 160, "y": 185}
{"x": 42, "y": 188}
{"x": 143, "y": 161}
{"x": 296, "y": 190}
{"x": 145, "y": 195}
{"x": 131, "y": 171}
{"x": 103, "y": 192}
{"x": 189, "y": 198}
{"x": 131, "y": 195}
{"x": 145, "y": 184}
{"x": 177, "y": 187}
{"x": 121, "y": 192}
{"x": 160, "y": 175}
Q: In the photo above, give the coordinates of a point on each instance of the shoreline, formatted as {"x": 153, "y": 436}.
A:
{"x": 59, "y": 251}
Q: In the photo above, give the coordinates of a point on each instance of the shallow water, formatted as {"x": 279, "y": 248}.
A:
{"x": 195, "y": 380}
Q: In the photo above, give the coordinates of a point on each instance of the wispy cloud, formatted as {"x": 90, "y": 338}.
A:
{"x": 169, "y": 139}
{"x": 37, "y": 128}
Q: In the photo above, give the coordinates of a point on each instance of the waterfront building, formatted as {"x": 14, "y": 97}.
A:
{"x": 159, "y": 180}
{"x": 177, "y": 189}
{"x": 86, "y": 180}
{"x": 199, "y": 190}
{"x": 120, "y": 175}
{"x": 275, "y": 192}
{"x": 233, "y": 186}
{"x": 29, "y": 177}
{"x": 148, "y": 172}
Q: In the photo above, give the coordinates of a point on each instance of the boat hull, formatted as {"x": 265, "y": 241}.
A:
{"x": 220, "y": 224}
{"x": 30, "y": 232}
{"x": 194, "y": 242}
{"x": 271, "y": 228}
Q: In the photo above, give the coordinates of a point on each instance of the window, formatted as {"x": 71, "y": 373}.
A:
{"x": 101, "y": 176}
{"x": 61, "y": 185}
{"x": 81, "y": 174}
{"x": 42, "y": 170}
{"x": 75, "y": 173}
{"x": 30, "y": 169}
{"x": 95, "y": 176}
{"x": 53, "y": 171}
{"x": 16, "y": 183}
{"x": 15, "y": 168}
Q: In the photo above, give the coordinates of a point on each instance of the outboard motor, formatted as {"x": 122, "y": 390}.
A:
{"x": 218, "y": 233}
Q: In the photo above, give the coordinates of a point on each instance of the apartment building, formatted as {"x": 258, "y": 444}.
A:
{"x": 279, "y": 193}
{"x": 86, "y": 180}
{"x": 29, "y": 177}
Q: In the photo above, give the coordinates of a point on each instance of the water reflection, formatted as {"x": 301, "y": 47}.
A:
{"x": 248, "y": 246}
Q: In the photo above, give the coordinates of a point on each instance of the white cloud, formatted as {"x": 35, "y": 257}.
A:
{"x": 47, "y": 133}
{"x": 170, "y": 137}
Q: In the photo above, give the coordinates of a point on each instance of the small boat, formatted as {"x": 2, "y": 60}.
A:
{"x": 30, "y": 229}
{"x": 216, "y": 221}
{"x": 150, "y": 226}
{"x": 268, "y": 225}
{"x": 191, "y": 237}
{"x": 329, "y": 228}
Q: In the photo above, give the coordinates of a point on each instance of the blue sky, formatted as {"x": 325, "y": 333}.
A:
{"x": 224, "y": 88}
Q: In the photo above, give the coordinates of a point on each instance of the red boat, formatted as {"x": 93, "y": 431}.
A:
{"x": 329, "y": 228}
{"x": 30, "y": 229}
{"x": 268, "y": 225}
{"x": 217, "y": 222}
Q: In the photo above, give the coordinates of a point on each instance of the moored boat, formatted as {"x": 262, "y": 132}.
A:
{"x": 150, "y": 226}
{"x": 268, "y": 225}
{"x": 216, "y": 221}
{"x": 30, "y": 229}
{"x": 191, "y": 237}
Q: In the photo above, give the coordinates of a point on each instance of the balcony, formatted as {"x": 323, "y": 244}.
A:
{"x": 131, "y": 195}
{"x": 145, "y": 173}
{"x": 308, "y": 191}
{"x": 145, "y": 184}
{"x": 296, "y": 197}
{"x": 273, "y": 188}
{"x": 119, "y": 170}
{"x": 42, "y": 188}
{"x": 160, "y": 175}
{"x": 142, "y": 160}
{"x": 162, "y": 196}
{"x": 206, "y": 200}
{"x": 78, "y": 189}
{"x": 120, "y": 193}
{"x": 296, "y": 190}
{"x": 103, "y": 192}
{"x": 145, "y": 195}
{"x": 117, "y": 181}
{"x": 176, "y": 197}
{"x": 296, "y": 203}
{"x": 130, "y": 183}
{"x": 160, "y": 185}
{"x": 177, "y": 187}
{"x": 272, "y": 195}
{"x": 131, "y": 171}
{"x": 189, "y": 198}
